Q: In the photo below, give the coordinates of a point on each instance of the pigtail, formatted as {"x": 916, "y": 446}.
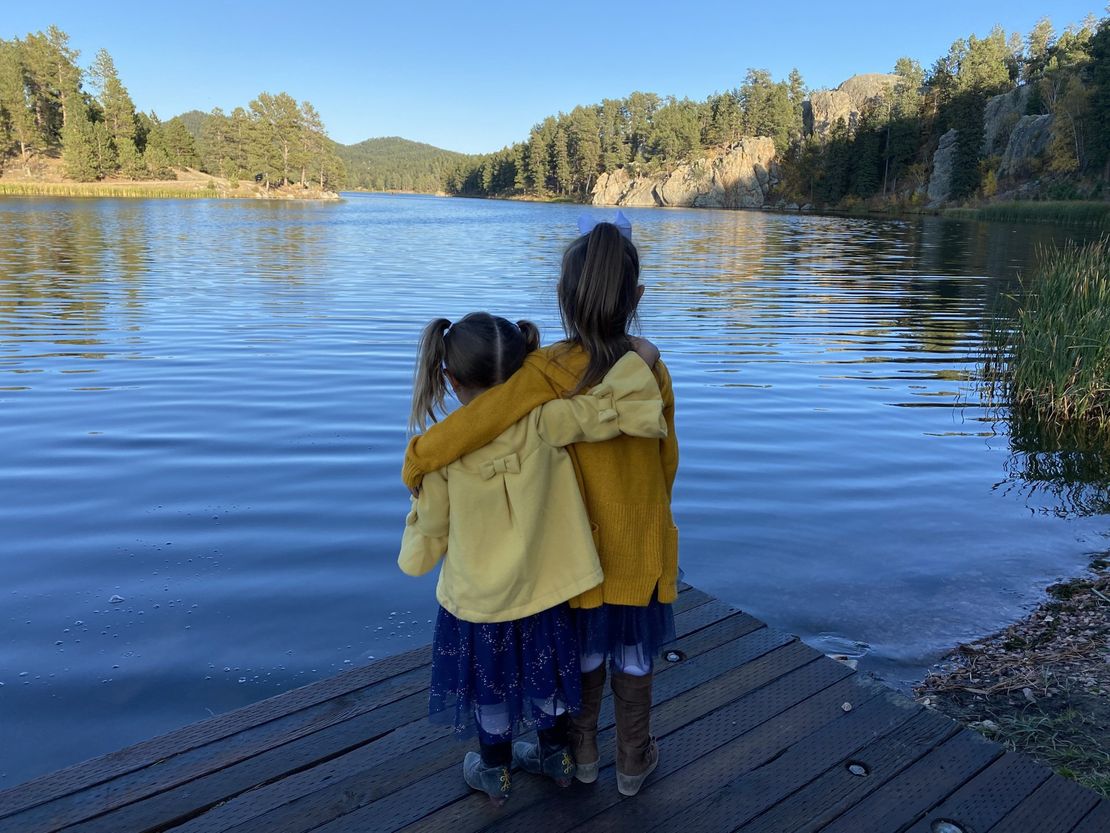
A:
{"x": 429, "y": 388}
{"x": 531, "y": 335}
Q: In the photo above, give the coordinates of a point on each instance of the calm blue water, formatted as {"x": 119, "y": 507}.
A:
{"x": 202, "y": 409}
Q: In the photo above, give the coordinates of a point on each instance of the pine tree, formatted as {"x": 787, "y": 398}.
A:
{"x": 16, "y": 120}
{"x": 640, "y": 110}
{"x": 560, "y": 157}
{"x": 1038, "y": 44}
{"x": 274, "y": 137}
{"x": 1098, "y": 145}
{"x": 67, "y": 75}
{"x": 180, "y": 144}
{"x": 115, "y": 102}
{"x": 613, "y": 134}
{"x": 156, "y": 156}
{"x": 726, "y": 119}
{"x": 119, "y": 118}
{"x": 79, "y": 150}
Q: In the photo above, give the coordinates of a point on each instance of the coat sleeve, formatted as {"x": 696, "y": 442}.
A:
{"x": 424, "y": 541}
{"x": 476, "y": 425}
{"x": 626, "y": 401}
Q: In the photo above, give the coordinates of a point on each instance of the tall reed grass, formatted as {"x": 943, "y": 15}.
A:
{"x": 96, "y": 189}
{"x": 1087, "y": 214}
{"x": 1050, "y": 353}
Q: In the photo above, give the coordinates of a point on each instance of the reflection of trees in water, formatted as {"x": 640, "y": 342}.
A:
{"x": 1063, "y": 472}
{"x": 52, "y": 267}
{"x": 933, "y": 279}
{"x": 285, "y": 246}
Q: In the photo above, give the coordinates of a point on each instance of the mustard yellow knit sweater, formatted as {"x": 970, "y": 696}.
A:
{"x": 625, "y": 482}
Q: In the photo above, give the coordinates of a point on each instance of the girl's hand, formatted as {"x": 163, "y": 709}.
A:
{"x": 645, "y": 350}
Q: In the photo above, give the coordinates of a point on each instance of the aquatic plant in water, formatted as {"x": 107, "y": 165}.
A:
{"x": 1049, "y": 355}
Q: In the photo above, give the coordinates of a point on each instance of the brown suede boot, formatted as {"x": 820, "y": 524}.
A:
{"x": 583, "y": 726}
{"x": 637, "y": 754}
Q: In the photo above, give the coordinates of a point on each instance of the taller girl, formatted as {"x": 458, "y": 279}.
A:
{"x": 626, "y": 486}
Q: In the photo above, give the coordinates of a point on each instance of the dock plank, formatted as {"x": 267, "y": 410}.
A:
{"x": 1056, "y": 806}
{"x": 744, "y": 795}
{"x": 984, "y": 800}
{"x": 1096, "y": 821}
{"x": 750, "y": 723}
{"x": 838, "y": 789}
{"x": 368, "y": 773}
{"x": 419, "y": 801}
{"x": 789, "y": 706}
{"x": 186, "y": 755}
{"x": 899, "y": 802}
{"x": 146, "y": 753}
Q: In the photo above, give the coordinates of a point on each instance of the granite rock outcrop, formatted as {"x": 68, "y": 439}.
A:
{"x": 740, "y": 176}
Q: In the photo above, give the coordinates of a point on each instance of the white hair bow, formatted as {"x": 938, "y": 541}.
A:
{"x": 587, "y": 222}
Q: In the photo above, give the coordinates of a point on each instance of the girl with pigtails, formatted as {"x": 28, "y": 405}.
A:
{"x": 625, "y": 483}
{"x": 507, "y": 520}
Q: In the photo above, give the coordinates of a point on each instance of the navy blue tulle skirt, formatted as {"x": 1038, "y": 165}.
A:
{"x": 629, "y": 636}
{"x": 498, "y": 679}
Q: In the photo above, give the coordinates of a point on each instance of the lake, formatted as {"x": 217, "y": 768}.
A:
{"x": 203, "y": 407}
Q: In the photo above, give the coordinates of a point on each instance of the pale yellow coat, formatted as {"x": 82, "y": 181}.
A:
{"x": 509, "y": 517}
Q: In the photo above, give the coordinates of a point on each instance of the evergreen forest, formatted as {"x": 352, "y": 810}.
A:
{"x": 884, "y": 154}
{"x": 51, "y": 108}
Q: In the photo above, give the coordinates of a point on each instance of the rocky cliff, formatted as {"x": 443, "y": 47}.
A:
{"x": 1028, "y": 138}
{"x": 1008, "y": 134}
{"x": 740, "y": 176}
{"x": 825, "y": 107}
{"x": 940, "y": 181}
{"x": 999, "y": 117}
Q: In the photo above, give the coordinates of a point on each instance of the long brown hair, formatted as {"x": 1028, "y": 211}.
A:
{"x": 480, "y": 351}
{"x": 597, "y": 298}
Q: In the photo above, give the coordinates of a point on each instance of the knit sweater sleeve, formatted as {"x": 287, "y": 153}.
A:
{"x": 668, "y": 446}
{"x": 481, "y": 422}
{"x": 626, "y": 401}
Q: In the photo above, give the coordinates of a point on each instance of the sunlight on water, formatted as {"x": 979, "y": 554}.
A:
{"x": 202, "y": 409}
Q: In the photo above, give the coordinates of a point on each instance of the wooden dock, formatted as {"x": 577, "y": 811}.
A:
{"x": 758, "y": 732}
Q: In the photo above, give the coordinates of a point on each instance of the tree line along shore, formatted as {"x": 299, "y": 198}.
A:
{"x": 913, "y": 139}
{"x": 61, "y": 125}
{"x": 884, "y": 149}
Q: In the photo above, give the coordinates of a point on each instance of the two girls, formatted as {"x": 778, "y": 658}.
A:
{"x": 625, "y": 485}
{"x": 518, "y": 544}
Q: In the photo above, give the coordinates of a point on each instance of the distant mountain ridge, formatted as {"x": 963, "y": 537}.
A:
{"x": 391, "y": 163}
{"x": 387, "y": 163}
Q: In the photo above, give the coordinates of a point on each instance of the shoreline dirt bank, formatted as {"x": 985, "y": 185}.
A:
{"x": 1042, "y": 685}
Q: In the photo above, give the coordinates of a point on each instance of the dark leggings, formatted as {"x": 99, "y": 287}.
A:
{"x": 497, "y": 750}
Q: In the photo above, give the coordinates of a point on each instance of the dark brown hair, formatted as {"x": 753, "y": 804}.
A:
{"x": 597, "y": 297}
{"x": 480, "y": 351}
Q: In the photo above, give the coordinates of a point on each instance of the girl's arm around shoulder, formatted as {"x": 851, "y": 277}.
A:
{"x": 626, "y": 401}
{"x": 424, "y": 542}
{"x": 476, "y": 425}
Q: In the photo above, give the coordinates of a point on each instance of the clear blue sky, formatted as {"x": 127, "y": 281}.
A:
{"x": 476, "y": 76}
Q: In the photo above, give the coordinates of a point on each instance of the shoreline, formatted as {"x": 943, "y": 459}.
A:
{"x": 189, "y": 184}
{"x": 1040, "y": 686}
{"x": 130, "y": 190}
{"x": 1090, "y": 214}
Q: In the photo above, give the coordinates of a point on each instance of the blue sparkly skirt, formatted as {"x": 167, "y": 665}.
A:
{"x": 630, "y": 636}
{"x": 498, "y": 679}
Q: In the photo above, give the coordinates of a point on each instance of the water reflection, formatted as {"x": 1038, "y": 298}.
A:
{"x": 1060, "y": 471}
{"x": 202, "y": 407}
